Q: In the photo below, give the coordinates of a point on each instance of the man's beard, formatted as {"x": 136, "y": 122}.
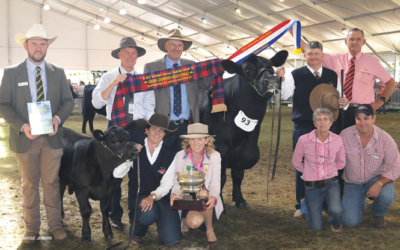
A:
{"x": 32, "y": 57}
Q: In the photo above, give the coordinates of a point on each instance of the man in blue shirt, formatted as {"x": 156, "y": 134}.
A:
{"x": 179, "y": 103}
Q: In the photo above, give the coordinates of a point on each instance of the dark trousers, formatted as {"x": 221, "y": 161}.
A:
{"x": 167, "y": 220}
{"x": 175, "y": 141}
{"x": 116, "y": 210}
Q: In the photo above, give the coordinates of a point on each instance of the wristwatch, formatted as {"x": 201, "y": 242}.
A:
{"x": 383, "y": 99}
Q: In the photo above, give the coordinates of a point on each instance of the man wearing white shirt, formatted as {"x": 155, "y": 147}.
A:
{"x": 157, "y": 171}
{"x": 299, "y": 84}
{"x": 137, "y": 106}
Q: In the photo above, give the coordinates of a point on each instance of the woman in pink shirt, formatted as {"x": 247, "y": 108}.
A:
{"x": 199, "y": 154}
{"x": 324, "y": 155}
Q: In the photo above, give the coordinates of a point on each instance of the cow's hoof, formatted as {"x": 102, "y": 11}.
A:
{"x": 86, "y": 239}
{"x": 242, "y": 204}
{"x": 109, "y": 235}
{"x": 83, "y": 132}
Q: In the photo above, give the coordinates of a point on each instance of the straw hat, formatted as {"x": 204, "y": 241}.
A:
{"x": 197, "y": 130}
{"x": 325, "y": 96}
{"x": 174, "y": 34}
{"x": 156, "y": 120}
{"x": 128, "y": 42}
{"x": 36, "y": 31}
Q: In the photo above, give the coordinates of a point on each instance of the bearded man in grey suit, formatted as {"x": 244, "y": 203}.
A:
{"x": 38, "y": 156}
{"x": 179, "y": 103}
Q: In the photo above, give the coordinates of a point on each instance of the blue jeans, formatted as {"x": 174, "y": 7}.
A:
{"x": 354, "y": 201}
{"x": 116, "y": 210}
{"x": 314, "y": 200}
{"x": 167, "y": 220}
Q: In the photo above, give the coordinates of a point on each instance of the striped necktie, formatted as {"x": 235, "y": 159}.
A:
{"x": 348, "y": 84}
{"x": 177, "y": 97}
{"x": 317, "y": 75}
{"x": 39, "y": 86}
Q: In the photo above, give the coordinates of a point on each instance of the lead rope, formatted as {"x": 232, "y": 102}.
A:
{"x": 134, "y": 216}
{"x": 272, "y": 138}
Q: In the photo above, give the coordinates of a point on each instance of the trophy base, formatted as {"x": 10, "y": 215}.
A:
{"x": 189, "y": 205}
{"x": 189, "y": 202}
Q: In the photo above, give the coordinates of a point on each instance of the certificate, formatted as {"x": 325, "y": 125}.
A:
{"x": 40, "y": 118}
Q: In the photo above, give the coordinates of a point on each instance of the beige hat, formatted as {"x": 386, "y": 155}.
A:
{"x": 174, "y": 34}
{"x": 197, "y": 130}
{"x": 325, "y": 96}
{"x": 36, "y": 31}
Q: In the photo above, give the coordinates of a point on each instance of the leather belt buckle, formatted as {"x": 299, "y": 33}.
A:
{"x": 177, "y": 122}
{"x": 353, "y": 105}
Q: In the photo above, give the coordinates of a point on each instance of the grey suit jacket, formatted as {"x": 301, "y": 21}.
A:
{"x": 163, "y": 97}
{"x": 14, "y": 99}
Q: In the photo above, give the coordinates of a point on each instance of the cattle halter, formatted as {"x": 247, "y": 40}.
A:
{"x": 253, "y": 83}
{"x": 119, "y": 154}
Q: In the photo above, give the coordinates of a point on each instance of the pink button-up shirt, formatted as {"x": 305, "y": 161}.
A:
{"x": 322, "y": 160}
{"x": 379, "y": 157}
{"x": 367, "y": 69}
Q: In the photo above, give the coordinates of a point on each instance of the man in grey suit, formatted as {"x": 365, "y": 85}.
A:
{"x": 179, "y": 103}
{"x": 38, "y": 156}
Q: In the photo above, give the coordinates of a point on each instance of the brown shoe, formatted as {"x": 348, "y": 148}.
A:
{"x": 59, "y": 234}
{"x": 213, "y": 242}
{"x": 136, "y": 242}
{"x": 379, "y": 221}
{"x": 29, "y": 238}
{"x": 117, "y": 224}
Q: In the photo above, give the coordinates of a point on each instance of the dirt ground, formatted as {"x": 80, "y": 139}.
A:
{"x": 267, "y": 224}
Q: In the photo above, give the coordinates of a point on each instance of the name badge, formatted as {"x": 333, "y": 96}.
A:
{"x": 131, "y": 108}
{"x": 245, "y": 123}
{"x": 22, "y": 84}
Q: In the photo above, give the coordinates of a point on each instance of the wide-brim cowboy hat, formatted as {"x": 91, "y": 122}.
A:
{"x": 174, "y": 34}
{"x": 197, "y": 130}
{"x": 37, "y": 31}
{"x": 128, "y": 42}
{"x": 325, "y": 96}
{"x": 156, "y": 120}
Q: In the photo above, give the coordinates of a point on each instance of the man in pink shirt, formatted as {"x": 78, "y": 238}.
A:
{"x": 372, "y": 165}
{"x": 366, "y": 69}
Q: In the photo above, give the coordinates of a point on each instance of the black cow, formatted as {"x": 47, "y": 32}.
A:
{"x": 247, "y": 91}
{"x": 88, "y": 110}
{"x": 87, "y": 169}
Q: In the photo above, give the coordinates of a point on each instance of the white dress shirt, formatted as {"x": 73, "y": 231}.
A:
{"x": 144, "y": 101}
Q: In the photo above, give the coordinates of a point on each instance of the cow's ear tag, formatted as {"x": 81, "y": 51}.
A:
{"x": 244, "y": 122}
{"x": 98, "y": 134}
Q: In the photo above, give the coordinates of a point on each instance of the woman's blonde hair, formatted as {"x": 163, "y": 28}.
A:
{"x": 210, "y": 148}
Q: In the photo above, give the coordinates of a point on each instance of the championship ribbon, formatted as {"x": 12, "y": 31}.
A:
{"x": 196, "y": 71}
{"x": 267, "y": 39}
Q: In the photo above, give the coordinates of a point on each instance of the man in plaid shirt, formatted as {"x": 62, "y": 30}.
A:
{"x": 372, "y": 165}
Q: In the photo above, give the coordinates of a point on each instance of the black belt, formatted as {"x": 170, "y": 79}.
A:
{"x": 353, "y": 105}
{"x": 320, "y": 184}
{"x": 177, "y": 122}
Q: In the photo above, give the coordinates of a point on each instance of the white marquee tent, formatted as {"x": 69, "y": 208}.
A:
{"x": 80, "y": 47}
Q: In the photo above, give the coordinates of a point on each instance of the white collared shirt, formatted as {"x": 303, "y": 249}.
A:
{"x": 145, "y": 102}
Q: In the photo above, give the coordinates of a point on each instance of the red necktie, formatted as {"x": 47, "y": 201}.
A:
{"x": 317, "y": 75}
{"x": 348, "y": 84}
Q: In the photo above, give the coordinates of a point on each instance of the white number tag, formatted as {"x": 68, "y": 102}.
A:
{"x": 131, "y": 108}
{"x": 245, "y": 123}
